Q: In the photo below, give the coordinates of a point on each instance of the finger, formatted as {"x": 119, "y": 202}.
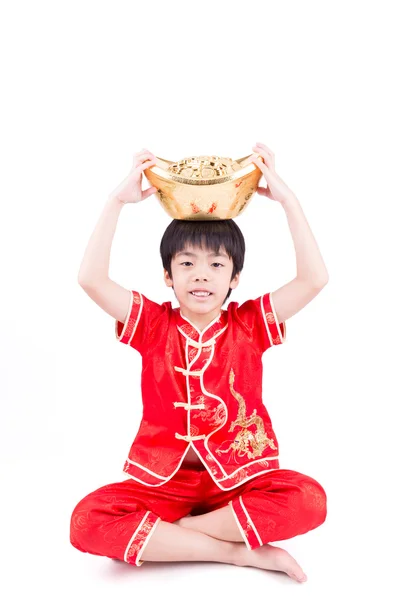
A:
{"x": 261, "y": 145}
{"x": 149, "y": 192}
{"x": 255, "y": 156}
{"x": 149, "y": 156}
{"x": 144, "y": 165}
{"x": 262, "y": 165}
{"x": 268, "y": 159}
{"x": 266, "y": 192}
{"x": 142, "y": 151}
{"x": 262, "y": 151}
{"x": 140, "y": 156}
{"x": 145, "y": 151}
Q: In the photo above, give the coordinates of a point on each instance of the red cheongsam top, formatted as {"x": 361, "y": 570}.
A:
{"x": 202, "y": 389}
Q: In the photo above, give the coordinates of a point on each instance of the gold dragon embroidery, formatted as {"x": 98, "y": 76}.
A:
{"x": 247, "y": 442}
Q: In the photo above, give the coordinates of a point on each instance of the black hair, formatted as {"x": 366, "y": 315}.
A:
{"x": 213, "y": 234}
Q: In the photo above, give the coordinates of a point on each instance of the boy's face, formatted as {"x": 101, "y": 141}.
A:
{"x": 194, "y": 268}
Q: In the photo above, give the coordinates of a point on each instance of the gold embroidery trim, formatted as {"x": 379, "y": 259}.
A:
{"x": 246, "y": 442}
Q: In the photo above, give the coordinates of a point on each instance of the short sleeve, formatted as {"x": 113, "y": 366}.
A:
{"x": 143, "y": 316}
{"x": 260, "y": 318}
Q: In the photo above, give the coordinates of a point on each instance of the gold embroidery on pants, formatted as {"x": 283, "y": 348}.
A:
{"x": 247, "y": 442}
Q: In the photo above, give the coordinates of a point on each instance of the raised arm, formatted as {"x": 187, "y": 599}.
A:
{"x": 312, "y": 274}
{"x": 93, "y": 273}
{"x": 96, "y": 260}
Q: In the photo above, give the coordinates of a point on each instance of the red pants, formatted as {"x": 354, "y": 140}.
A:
{"x": 117, "y": 520}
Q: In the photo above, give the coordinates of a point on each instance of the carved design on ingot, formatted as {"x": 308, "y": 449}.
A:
{"x": 204, "y": 167}
{"x": 163, "y": 197}
{"x": 246, "y": 199}
{"x": 246, "y": 442}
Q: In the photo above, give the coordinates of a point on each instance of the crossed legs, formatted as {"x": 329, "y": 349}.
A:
{"x": 274, "y": 506}
{"x": 215, "y": 537}
{"x": 128, "y": 521}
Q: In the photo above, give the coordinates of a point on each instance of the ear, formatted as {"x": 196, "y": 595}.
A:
{"x": 167, "y": 279}
{"x": 235, "y": 281}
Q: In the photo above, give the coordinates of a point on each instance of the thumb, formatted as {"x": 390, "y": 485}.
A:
{"x": 262, "y": 191}
{"x": 149, "y": 192}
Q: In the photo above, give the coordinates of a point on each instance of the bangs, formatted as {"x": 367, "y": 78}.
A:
{"x": 209, "y": 237}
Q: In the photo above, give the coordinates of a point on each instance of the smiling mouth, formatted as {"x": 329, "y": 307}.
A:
{"x": 201, "y": 295}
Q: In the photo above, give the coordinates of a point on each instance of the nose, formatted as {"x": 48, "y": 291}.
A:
{"x": 202, "y": 271}
{"x": 201, "y": 278}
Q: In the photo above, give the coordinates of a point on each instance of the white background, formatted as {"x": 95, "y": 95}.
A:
{"x": 85, "y": 86}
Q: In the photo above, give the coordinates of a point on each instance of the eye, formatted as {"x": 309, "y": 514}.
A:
{"x": 187, "y": 262}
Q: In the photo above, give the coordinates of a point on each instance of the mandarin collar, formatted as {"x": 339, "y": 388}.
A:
{"x": 189, "y": 329}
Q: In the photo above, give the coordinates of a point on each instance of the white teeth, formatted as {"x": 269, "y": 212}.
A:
{"x": 201, "y": 293}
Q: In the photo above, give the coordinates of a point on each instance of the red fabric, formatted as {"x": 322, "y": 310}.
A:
{"x": 117, "y": 520}
{"x": 202, "y": 390}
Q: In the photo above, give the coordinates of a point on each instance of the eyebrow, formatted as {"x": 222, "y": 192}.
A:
{"x": 210, "y": 254}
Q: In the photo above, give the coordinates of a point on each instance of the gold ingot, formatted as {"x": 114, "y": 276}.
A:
{"x": 204, "y": 187}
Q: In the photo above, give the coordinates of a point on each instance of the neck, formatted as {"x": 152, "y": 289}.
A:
{"x": 201, "y": 322}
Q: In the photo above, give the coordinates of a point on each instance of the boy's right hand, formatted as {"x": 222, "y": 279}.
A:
{"x": 130, "y": 190}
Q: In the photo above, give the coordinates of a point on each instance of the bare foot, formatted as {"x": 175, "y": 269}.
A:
{"x": 275, "y": 559}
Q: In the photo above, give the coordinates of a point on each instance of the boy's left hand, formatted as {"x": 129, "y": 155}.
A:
{"x": 276, "y": 188}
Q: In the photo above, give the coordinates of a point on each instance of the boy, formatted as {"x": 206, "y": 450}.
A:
{"x": 204, "y": 476}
